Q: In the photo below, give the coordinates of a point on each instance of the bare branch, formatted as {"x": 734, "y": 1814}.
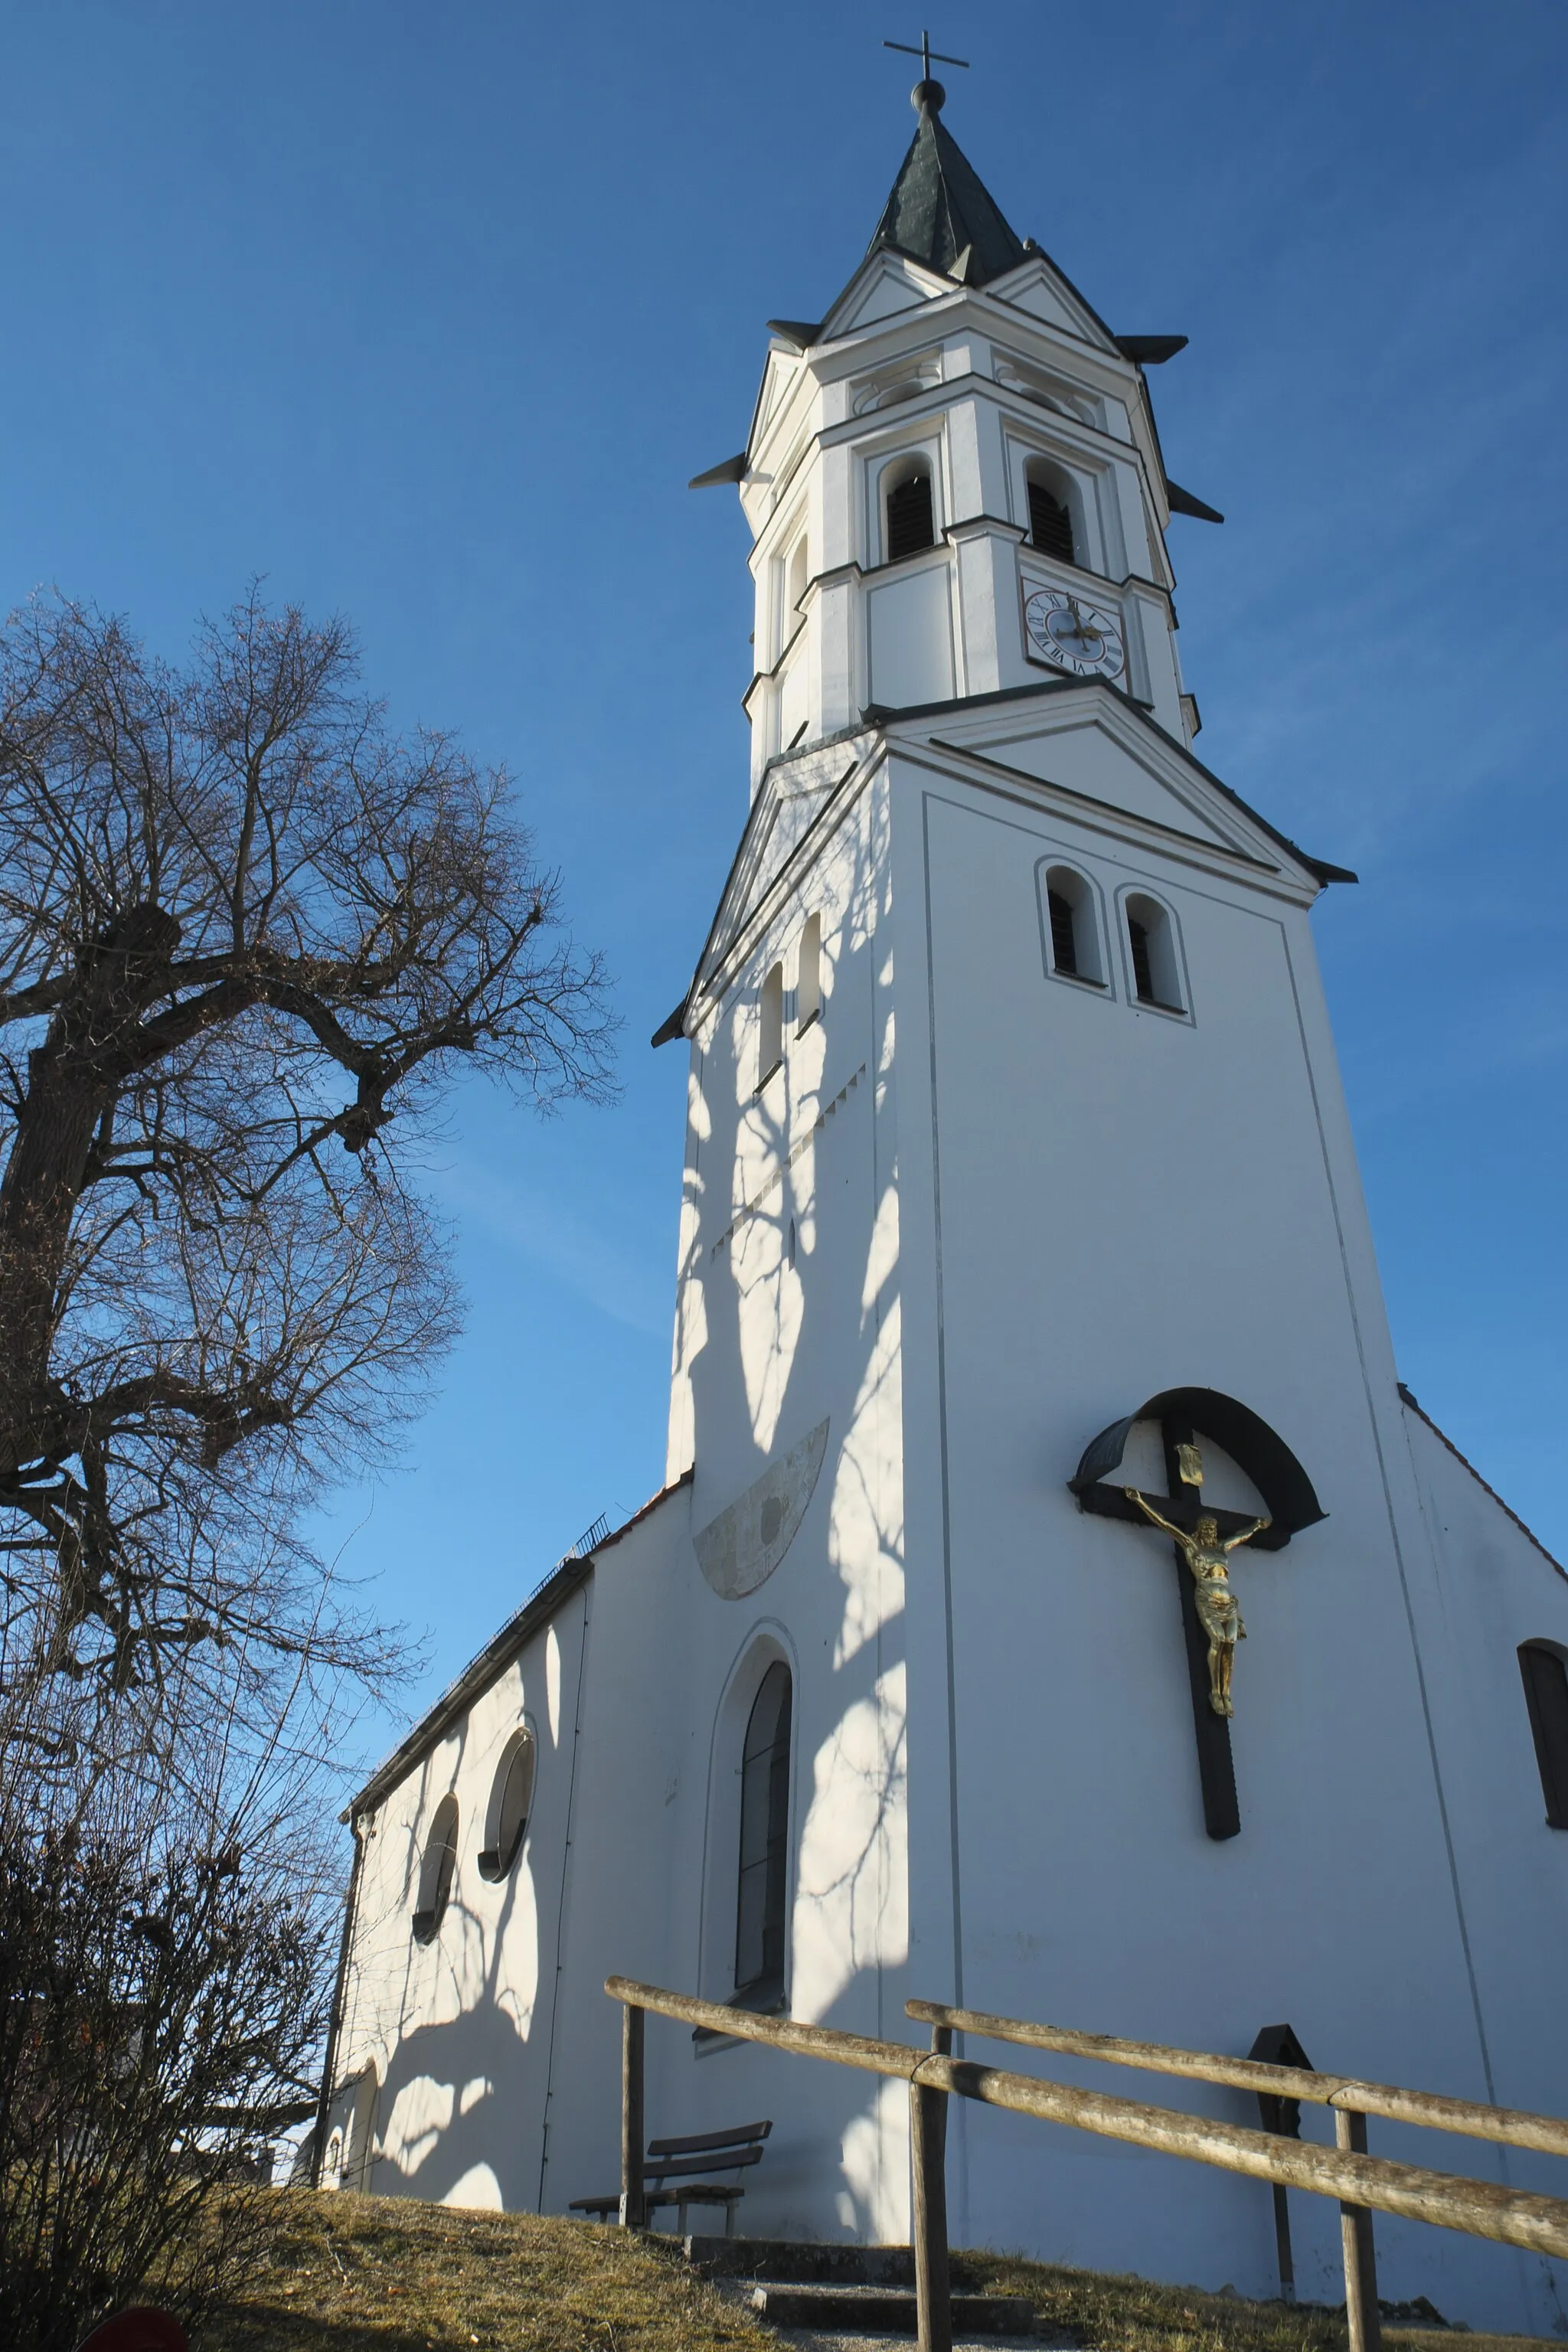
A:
{"x": 241, "y": 921}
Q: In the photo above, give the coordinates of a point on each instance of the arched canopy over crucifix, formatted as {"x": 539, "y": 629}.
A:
{"x": 1204, "y": 1537}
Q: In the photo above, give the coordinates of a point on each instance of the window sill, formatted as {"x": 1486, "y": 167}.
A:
{"x": 495, "y": 1866}
{"x": 769, "y": 1075}
{"x": 897, "y": 562}
{"x": 1078, "y": 979}
{"x": 809, "y": 1022}
{"x": 1158, "y": 1004}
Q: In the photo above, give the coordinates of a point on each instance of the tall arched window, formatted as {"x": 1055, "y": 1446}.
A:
{"x": 438, "y": 1869}
{"x": 1151, "y": 949}
{"x": 911, "y": 517}
{"x": 770, "y": 1036}
{"x": 764, "y": 1886}
{"x": 809, "y": 977}
{"x": 1545, "y": 1672}
{"x": 794, "y": 589}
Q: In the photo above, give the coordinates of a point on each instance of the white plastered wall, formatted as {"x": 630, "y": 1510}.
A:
{"x": 1119, "y": 1202}
{"x": 457, "y": 2030}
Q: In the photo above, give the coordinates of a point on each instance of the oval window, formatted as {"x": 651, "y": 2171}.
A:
{"x": 511, "y": 1798}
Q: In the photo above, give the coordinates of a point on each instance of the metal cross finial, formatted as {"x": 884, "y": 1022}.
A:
{"x": 926, "y": 54}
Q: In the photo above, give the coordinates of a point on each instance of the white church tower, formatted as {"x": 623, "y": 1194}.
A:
{"x": 1018, "y": 1175}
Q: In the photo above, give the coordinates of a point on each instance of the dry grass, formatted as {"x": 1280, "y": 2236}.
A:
{"x": 389, "y": 2274}
{"x": 1134, "y": 2314}
{"x": 1115, "y": 2314}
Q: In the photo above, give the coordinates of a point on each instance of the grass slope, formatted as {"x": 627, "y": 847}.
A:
{"x": 389, "y": 2274}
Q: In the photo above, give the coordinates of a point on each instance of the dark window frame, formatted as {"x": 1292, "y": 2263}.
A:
{"x": 497, "y": 1861}
{"x": 762, "y": 1891}
{"x": 909, "y": 515}
{"x": 1151, "y": 941}
{"x": 1063, "y": 918}
{"x": 1544, "y": 1669}
{"x": 1050, "y": 524}
{"x": 435, "y": 1893}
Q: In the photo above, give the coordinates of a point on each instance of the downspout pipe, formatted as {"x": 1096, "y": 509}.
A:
{"x": 340, "y": 1998}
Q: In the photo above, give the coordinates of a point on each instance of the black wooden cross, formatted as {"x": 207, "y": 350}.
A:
{"x": 1288, "y": 1494}
{"x": 926, "y": 54}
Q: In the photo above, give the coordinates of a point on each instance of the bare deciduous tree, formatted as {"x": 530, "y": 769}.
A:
{"x": 164, "y": 1989}
{"x": 248, "y": 937}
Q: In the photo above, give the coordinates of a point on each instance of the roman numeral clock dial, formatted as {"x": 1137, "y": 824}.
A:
{"x": 1072, "y": 634}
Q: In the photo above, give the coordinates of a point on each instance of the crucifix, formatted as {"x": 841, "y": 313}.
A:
{"x": 1207, "y": 1553}
{"x": 1204, "y": 1538}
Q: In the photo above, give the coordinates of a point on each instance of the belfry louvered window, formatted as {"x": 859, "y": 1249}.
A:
{"x": 909, "y": 521}
{"x": 1051, "y": 524}
{"x": 761, "y": 1911}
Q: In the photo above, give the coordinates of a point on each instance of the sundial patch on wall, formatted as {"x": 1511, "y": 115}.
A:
{"x": 739, "y": 1550}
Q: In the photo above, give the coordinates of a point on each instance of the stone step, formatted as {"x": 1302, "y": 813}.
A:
{"x": 884, "y": 2310}
{"x": 789, "y": 2262}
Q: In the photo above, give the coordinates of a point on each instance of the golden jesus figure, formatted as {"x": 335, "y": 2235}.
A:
{"x": 1218, "y": 1613}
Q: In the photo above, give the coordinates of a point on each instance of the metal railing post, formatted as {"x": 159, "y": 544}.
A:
{"x": 1364, "y": 2322}
{"x": 928, "y": 2206}
{"x": 634, "y": 2207}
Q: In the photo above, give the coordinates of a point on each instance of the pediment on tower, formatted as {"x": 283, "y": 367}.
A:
{"x": 886, "y": 283}
{"x": 1097, "y": 755}
{"x": 780, "y": 373}
{"x": 1039, "y": 288}
{"x": 796, "y": 797}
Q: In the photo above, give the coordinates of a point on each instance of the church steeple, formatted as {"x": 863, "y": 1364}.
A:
{"x": 940, "y": 209}
{"x": 954, "y": 481}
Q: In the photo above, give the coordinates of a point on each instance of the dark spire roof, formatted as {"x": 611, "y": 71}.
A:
{"x": 938, "y": 209}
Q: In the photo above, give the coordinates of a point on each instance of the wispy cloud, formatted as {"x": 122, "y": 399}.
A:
{"x": 573, "y": 1246}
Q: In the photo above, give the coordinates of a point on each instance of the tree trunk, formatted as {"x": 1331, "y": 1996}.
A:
{"x": 72, "y": 1079}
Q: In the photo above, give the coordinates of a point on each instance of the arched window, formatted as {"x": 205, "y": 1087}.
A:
{"x": 1050, "y": 501}
{"x": 1152, "y": 947}
{"x": 359, "y": 2151}
{"x": 770, "y": 1040}
{"x": 763, "y": 1885}
{"x": 809, "y": 977}
{"x": 438, "y": 1869}
{"x": 911, "y": 521}
{"x": 511, "y": 1794}
{"x": 794, "y": 589}
{"x": 1074, "y": 932}
{"x": 1545, "y": 1670}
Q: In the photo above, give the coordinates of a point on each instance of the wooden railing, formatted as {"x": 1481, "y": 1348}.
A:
{"x": 1362, "y": 2183}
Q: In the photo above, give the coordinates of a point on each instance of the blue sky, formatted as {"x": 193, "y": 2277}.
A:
{"x": 428, "y": 314}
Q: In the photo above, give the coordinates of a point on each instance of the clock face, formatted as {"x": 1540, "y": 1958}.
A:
{"x": 1073, "y": 635}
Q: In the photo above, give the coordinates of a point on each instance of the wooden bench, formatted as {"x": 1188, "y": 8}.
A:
{"x": 684, "y": 2161}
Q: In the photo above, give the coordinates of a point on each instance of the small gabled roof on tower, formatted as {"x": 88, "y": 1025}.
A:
{"x": 940, "y": 211}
